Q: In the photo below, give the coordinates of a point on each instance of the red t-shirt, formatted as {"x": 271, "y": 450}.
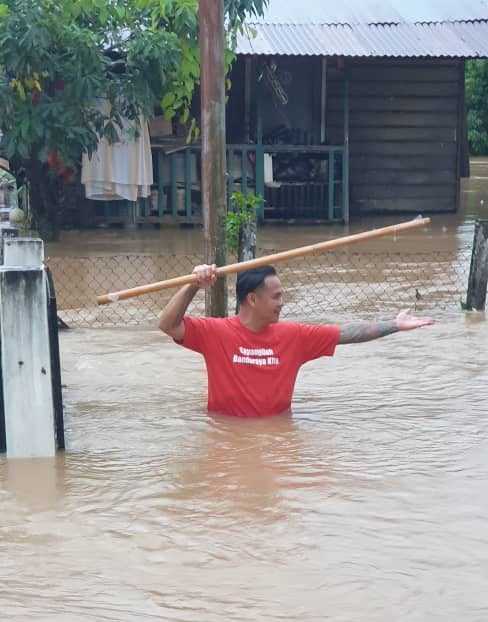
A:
{"x": 253, "y": 374}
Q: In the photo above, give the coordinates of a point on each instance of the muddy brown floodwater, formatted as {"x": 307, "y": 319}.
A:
{"x": 368, "y": 504}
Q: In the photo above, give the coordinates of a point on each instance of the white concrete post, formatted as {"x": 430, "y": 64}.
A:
{"x": 25, "y": 352}
{"x": 23, "y": 252}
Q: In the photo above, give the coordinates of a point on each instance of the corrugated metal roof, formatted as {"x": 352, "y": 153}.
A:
{"x": 459, "y": 39}
{"x": 372, "y": 11}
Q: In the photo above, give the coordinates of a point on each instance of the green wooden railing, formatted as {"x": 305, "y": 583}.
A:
{"x": 176, "y": 194}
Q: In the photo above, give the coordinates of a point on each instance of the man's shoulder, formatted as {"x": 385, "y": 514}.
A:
{"x": 209, "y": 322}
{"x": 289, "y": 326}
{"x": 303, "y": 328}
{"x": 285, "y": 328}
{"x": 202, "y": 331}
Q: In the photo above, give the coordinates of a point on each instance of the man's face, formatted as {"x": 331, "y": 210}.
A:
{"x": 267, "y": 301}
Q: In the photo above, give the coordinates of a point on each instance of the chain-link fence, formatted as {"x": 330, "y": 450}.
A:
{"x": 323, "y": 287}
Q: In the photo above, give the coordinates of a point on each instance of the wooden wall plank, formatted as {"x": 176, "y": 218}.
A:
{"x": 401, "y": 205}
{"x": 402, "y": 163}
{"x": 381, "y": 176}
{"x": 378, "y": 73}
{"x": 407, "y": 191}
{"x": 398, "y": 88}
{"x": 440, "y": 118}
{"x": 403, "y": 148}
{"x": 388, "y": 134}
{"x": 374, "y": 103}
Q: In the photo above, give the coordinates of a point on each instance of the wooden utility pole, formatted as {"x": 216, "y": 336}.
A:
{"x": 214, "y": 195}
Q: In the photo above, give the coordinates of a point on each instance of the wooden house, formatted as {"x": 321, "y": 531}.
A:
{"x": 339, "y": 110}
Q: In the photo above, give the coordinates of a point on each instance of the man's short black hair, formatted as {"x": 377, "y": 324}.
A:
{"x": 251, "y": 280}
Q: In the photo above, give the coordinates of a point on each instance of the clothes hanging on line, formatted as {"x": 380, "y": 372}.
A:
{"x": 120, "y": 170}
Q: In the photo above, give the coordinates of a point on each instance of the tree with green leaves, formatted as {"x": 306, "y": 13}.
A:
{"x": 59, "y": 58}
{"x": 477, "y": 106}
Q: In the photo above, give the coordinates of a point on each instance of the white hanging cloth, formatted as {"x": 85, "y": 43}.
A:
{"x": 121, "y": 170}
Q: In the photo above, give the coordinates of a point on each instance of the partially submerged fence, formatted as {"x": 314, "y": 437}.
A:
{"x": 328, "y": 287}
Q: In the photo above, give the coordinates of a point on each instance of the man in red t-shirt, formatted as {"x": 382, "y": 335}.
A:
{"x": 252, "y": 358}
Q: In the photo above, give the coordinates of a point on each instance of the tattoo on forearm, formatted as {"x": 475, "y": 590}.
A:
{"x": 366, "y": 331}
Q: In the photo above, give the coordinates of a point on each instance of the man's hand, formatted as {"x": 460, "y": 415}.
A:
{"x": 206, "y": 275}
{"x": 406, "y": 321}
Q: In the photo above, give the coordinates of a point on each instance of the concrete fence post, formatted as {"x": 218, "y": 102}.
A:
{"x": 478, "y": 273}
{"x": 25, "y": 351}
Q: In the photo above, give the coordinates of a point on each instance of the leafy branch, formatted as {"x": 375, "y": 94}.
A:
{"x": 242, "y": 210}
{"x": 59, "y": 59}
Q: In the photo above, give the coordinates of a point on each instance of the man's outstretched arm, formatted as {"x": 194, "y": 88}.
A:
{"x": 357, "y": 332}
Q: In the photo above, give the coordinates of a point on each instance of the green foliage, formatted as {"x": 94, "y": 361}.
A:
{"x": 181, "y": 18}
{"x": 242, "y": 210}
{"x": 237, "y": 10}
{"x": 477, "y": 106}
{"x": 58, "y": 59}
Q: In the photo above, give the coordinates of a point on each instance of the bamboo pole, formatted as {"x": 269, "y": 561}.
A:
{"x": 268, "y": 259}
